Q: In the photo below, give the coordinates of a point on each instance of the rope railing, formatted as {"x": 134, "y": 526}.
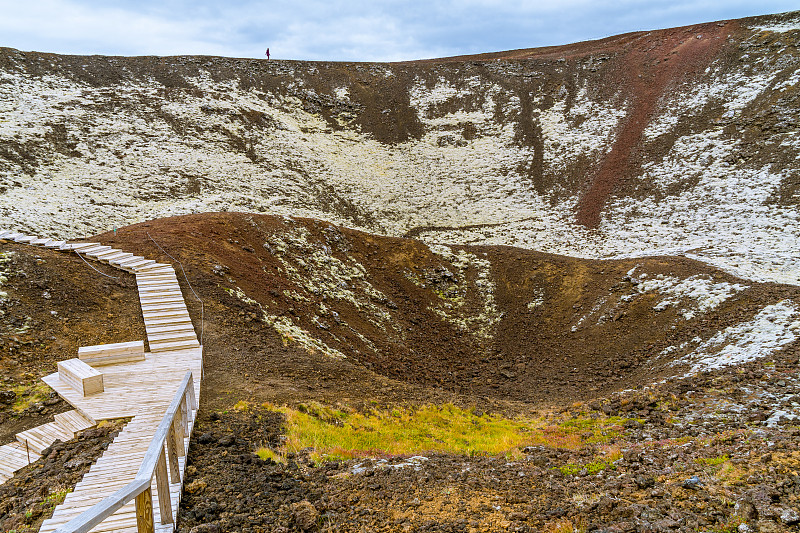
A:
{"x": 93, "y": 268}
{"x": 157, "y": 461}
{"x": 202, "y": 306}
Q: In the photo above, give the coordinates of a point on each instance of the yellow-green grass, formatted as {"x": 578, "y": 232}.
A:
{"x": 712, "y": 461}
{"x": 344, "y": 434}
{"x": 28, "y": 395}
{"x": 269, "y": 454}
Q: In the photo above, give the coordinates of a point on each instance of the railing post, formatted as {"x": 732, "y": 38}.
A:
{"x": 192, "y": 396}
{"x": 185, "y": 414}
{"x": 177, "y": 432}
{"x": 172, "y": 456}
{"x": 162, "y": 484}
{"x": 144, "y": 512}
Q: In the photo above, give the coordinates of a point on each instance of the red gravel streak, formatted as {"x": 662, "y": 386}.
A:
{"x": 649, "y": 67}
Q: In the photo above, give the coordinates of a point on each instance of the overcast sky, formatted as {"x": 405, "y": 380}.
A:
{"x": 355, "y": 30}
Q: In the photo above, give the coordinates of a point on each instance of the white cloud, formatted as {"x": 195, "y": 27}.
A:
{"x": 355, "y": 30}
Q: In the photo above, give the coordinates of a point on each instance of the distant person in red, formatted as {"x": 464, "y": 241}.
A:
{"x": 267, "y": 53}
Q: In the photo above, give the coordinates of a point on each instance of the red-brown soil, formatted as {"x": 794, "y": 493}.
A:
{"x": 533, "y": 356}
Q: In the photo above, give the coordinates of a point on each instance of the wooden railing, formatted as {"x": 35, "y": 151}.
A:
{"x": 171, "y": 431}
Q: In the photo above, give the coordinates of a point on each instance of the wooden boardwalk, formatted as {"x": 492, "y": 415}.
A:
{"x": 141, "y": 389}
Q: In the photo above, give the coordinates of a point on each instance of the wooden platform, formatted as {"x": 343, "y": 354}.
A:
{"x": 132, "y": 384}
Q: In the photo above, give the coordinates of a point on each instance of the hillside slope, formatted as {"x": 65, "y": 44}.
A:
{"x": 680, "y": 141}
{"x": 305, "y": 301}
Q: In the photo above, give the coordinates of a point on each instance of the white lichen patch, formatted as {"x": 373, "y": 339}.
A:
{"x": 584, "y": 130}
{"x": 691, "y": 296}
{"x": 537, "y": 300}
{"x": 481, "y": 320}
{"x": 783, "y": 27}
{"x": 5, "y": 259}
{"x": 290, "y": 331}
{"x": 313, "y": 267}
{"x": 772, "y": 328}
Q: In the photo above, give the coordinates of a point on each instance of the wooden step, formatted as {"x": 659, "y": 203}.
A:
{"x": 116, "y": 255}
{"x": 43, "y": 436}
{"x": 97, "y": 254}
{"x": 106, "y": 354}
{"x": 116, "y": 262}
{"x": 162, "y": 295}
{"x": 171, "y": 336}
{"x": 155, "y": 302}
{"x": 154, "y": 271}
{"x": 155, "y": 330}
{"x": 25, "y": 239}
{"x": 176, "y": 345}
{"x": 166, "y": 284}
{"x": 73, "y": 421}
{"x": 168, "y": 321}
{"x": 154, "y": 279}
{"x": 77, "y": 246}
{"x": 55, "y": 244}
{"x": 156, "y": 266}
{"x": 154, "y": 285}
{"x": 177, "y": 306}
{"x": 39, "y": 242}
{"x": 131, "y": 267}
{"x": 91, "y": 249}
{"x": 80, "y": 376}
{"x": 180, "y": 313}
{"x": 130, "y": 260}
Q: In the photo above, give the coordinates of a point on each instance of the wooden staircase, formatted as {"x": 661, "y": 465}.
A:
{"x": 32, "y": 442}
{"x": 150, "y": 489}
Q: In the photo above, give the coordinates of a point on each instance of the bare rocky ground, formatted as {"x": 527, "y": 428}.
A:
{"x": 696, "y": 455}
{"x": 32, "y": 494}
{"x": 714, "y": 451}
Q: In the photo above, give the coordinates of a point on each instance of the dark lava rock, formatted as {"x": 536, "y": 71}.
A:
{"x": 206, "y": 528}
{"x": 305, "y": 515}
{"x": 226, "y": 440}
{"x": 206, "y": 438}
{"x": 7, "y": 397}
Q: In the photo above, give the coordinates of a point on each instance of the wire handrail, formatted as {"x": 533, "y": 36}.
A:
{"x": 93, "y": 268}
{"x": 202, "y": 305}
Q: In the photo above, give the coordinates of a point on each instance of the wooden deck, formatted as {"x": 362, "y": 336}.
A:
{"x": 141, "y": 389}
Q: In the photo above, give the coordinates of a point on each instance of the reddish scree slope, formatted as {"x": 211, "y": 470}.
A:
{"x": 293, "y": 269}
{"x": 645, "y": 66}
